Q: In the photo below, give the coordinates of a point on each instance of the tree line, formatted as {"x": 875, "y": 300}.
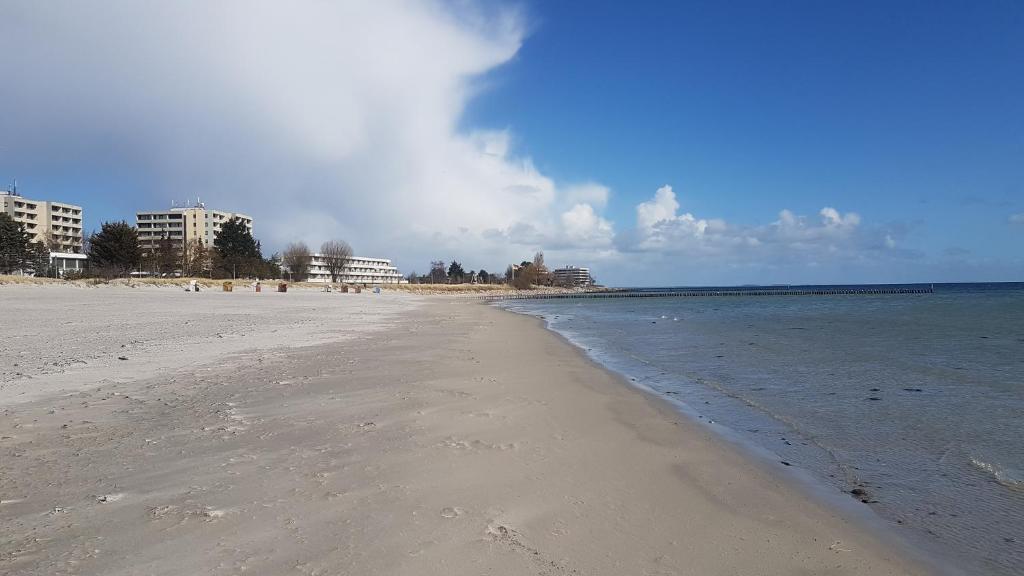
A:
{"x": 525, "y": 275}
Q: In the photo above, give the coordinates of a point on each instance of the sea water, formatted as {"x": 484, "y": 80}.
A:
{"x": 914, "y": 401}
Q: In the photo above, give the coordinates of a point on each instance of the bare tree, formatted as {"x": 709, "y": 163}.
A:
{"x": 52, "y": 244}
{"x": 538, "y": 262}
{"x": 188, "y": 254}
{"x": 540, "y": 271}
{"x": 195, "y": 259}
{"x": 437, "y": 272}
{"x": 296, "y": 258}
{"x": 335, "y": 254}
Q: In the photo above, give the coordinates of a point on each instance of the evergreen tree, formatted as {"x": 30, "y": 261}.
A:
{"x": 271, "y": 267}
{"x": 37, "y": 259}
{"x": 14, "y": 244}
{"x": 235, "y": 241}
{"x": 115, "y": 248}
{"x": 239, "y": 253}
{"x": 455, "y": 272}
{"x": 168, "y": 256}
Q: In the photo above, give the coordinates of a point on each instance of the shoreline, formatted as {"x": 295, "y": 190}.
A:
{"x": 864, "y": 518}
{"x": 460, "y": 439}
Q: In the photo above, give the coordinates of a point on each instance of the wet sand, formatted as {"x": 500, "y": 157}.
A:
{"x": 311, "y": 433}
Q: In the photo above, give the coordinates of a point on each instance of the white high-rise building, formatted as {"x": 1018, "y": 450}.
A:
{"x": 56, "y": 225}
{"x": 182, "y": 225}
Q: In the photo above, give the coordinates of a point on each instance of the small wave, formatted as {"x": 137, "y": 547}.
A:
{"x": 1013, "y": 479}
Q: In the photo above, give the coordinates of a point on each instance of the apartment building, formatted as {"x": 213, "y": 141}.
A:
{"x": 572, "y": 276}
{"x": 56, "y": 225}
{"x": 357, "y": 270}
{"x": 183, "y": 224}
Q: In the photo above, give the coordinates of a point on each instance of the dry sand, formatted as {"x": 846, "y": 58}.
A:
{"x": 71, "y": 337}
{"x": 365, "y": 434}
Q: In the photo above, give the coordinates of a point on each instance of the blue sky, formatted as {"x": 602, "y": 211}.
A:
{"x": 504, "y": 128}
{"x": 905, "y": 112}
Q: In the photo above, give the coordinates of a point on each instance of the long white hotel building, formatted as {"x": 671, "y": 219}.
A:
{"x": 357, "y": 270}
{"x": 573, "y": 276}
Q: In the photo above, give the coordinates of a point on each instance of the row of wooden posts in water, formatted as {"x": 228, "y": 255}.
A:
{"x": 711, "y": 292}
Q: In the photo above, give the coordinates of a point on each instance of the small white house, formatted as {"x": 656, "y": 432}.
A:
{"x": 67, "y": 262}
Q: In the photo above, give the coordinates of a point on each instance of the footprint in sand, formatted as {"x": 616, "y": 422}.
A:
{"x": 477, "y": 445}
{"x": 211, "y": 514}
{"x": 451, "y": 512}
{"x": 160, "y": 512}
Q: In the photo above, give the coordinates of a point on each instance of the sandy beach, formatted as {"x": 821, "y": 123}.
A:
{"x": 152, "y": 431}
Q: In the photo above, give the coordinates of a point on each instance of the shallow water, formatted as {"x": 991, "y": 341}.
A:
{"x": 918, "y": 400}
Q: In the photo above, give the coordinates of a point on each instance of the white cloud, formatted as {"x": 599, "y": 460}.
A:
{"x": 661, "y": 208}
{"x": 832, "y": 218}
{"x": 320, "y": 119}
{"x": 1017, "y": 218}
{"x": 582, "y": 227}
{"x": 835, "y": 236}
{"x": 590, "y": 193}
